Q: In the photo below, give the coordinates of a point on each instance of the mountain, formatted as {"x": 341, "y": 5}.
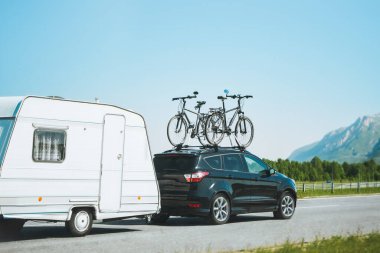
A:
{"x": 375, "y": 153}
{"x": 356, "y": 143}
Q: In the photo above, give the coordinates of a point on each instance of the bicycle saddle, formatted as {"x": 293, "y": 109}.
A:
{"x": 199, "y": 104}
{"x": 215, "y": 109}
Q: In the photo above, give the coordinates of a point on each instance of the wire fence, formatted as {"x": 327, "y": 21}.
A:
{"x": 331, "y": 186}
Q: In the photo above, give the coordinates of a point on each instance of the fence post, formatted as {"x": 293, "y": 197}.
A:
{"x": 322, "y": 186}
{"x": 350, "y": 185}
{"x": 303, "y": 187}
{"x": 313, "y": 186}
{"x": 332, "y": 187}
{"x": 358, "y": 186}
{"x": 341, "y": 186}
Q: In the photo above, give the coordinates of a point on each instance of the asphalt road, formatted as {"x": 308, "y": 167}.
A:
{"x": 322, "y": 217}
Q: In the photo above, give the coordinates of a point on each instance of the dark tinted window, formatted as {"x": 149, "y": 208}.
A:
{"x": 233, "y": 162}
{"x": 254, "y": 164}
{"x": 174, "y": 163}
{"x": 214, "y": 161}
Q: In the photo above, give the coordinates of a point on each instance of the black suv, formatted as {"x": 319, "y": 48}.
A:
{"x": 220, "y": 183}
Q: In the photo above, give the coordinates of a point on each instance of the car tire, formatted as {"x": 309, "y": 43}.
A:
{"x": 80, "y": 223}
{"x": 156, "y": 219}
{"x": 220, "y": 210}
{"x": 286, "y": 206}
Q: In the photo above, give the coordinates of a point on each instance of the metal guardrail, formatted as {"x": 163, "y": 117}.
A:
{"x": 336, "y": 186}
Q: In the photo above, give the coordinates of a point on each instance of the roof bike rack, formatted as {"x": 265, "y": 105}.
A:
{"x": 215, "y": 147}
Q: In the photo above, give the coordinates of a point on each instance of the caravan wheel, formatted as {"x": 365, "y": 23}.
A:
{"x": 80, "y": 223}
{"x": 10, "y": 228}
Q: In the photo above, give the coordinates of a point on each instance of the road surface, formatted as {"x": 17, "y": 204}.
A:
{"x": 321, "y": 217}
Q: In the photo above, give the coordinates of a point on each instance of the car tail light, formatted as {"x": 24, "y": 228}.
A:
{"x": 195, "y": 177}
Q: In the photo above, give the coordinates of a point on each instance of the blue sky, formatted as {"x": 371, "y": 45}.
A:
{"x": 312, "y": 66}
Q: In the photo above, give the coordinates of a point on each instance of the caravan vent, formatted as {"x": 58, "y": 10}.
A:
{"x": 55, "y": 97}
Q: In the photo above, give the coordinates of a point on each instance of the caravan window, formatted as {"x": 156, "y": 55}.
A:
{"x": 6, "y": 125}
{"x": 49, "y": 145}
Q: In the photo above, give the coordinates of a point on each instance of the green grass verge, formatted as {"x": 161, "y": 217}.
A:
{"x": 337, "y": 244}
{"x": 337, "y": 192}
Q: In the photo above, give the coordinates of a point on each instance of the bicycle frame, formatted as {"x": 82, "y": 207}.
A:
{"x": 184, "y": 115}
{"x": 237, "y": 110}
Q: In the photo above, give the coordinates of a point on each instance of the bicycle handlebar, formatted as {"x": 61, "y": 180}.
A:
{"x": 187, "y": 97}
{"x": 235, "y": 96}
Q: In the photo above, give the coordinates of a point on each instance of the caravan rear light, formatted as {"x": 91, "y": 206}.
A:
{"x": 196, "y": 177}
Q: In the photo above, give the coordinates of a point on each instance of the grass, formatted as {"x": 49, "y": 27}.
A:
{"x": 337, "y": 244}
{"x": 337, "y": 192}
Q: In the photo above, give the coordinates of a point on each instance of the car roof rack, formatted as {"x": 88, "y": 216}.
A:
{"x": 215, "y": 147}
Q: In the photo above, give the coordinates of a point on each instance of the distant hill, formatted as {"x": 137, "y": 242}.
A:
{"x": 375, "y": 153}
{"x": 356, "y": 143}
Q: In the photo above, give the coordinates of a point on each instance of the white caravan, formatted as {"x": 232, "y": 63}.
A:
{"x": 72, "y": 161}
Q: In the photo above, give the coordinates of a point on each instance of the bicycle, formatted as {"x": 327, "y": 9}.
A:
{"x": 179, "y": 125}
{"x": 216, "y": 124}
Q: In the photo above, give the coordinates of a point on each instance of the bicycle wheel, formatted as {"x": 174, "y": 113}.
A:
{"x": 177, "y": 130}
{"x": 201, "y": 134}
{"x": 215, "y": 128}
{"x": 244, "y": 131}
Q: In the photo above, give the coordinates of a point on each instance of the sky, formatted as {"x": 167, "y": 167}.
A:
{"x": 311, "y": 66}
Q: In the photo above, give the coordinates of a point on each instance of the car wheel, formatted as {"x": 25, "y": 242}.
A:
{"x": 286, "y": 206}
{"x": 220, "y": 210}
{"x": 154, "y": 219}
{"x": 80, "y": 223}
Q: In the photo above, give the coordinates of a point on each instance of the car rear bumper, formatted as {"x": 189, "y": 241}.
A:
{"x": 191, "y": 207}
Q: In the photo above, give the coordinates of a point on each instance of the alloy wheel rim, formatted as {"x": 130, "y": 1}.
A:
{"x": 82, "y": 221}
{"x": 287, "y": 206}
{"x": 220, "y": 209}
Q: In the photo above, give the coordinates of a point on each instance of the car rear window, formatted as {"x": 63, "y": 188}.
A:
{"x": 175, "y": 163}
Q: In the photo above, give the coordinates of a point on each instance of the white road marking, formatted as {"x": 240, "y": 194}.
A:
{"x": 341, "y": 197}
{"x": 324, "y": 206}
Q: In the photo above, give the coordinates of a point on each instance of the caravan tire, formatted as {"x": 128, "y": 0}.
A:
{"x": 80, "y": 223}
{"x": 11, "y": 228}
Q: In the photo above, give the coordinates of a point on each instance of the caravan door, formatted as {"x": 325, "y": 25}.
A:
{"x": 112, "y": 163}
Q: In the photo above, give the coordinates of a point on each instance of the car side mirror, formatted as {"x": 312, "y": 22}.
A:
{"x": 272, "y": 171}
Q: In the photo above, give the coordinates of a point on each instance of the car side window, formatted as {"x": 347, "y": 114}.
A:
{"x": 233, "y": 162}
{"x": 214, "y": 162}
{"x": 254, "y": 165}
